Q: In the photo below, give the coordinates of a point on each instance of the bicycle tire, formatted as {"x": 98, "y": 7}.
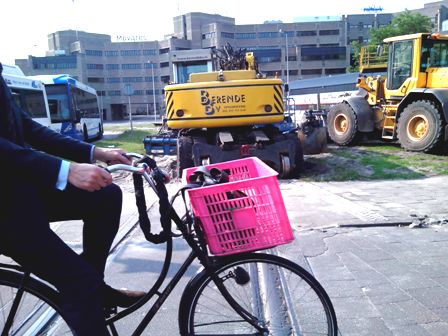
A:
{"x": 38, "y": 312}
{"x": 302, "y": 307}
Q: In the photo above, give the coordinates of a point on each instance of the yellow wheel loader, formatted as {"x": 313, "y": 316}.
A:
{"x": 409, "y": 104}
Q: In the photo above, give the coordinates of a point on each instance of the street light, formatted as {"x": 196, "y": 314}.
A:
{"x": 286, "y": 53}
{"x": 153, "y": 91}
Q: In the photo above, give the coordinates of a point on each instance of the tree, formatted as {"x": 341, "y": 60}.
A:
{"x": 403, "y": 24}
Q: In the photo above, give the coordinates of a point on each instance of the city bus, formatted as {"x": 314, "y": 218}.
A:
{"x": 28, "y": 93}
{"x": 74, "y": 107}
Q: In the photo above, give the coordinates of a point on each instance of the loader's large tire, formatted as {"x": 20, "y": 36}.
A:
{"x": 342, "y": 124}
{"x": 420, "y": 127}
{"x": 184, "y": 153}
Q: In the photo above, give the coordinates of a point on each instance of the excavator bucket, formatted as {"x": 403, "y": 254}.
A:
{"x": 312, "y": 133}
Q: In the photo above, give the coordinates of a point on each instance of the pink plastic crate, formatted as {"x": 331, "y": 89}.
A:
{"x": 245, "y": 214}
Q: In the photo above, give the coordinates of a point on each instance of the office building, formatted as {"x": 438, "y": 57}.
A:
{"x": 308, "y": 48}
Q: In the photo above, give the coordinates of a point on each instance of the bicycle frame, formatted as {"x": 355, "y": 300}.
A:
{"x": 198, "y": 251}
{"x": 194, "y": 239}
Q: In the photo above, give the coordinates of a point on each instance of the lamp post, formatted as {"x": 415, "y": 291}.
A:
{"x": 286, "y": 53}
{"x": 153, "y": 92}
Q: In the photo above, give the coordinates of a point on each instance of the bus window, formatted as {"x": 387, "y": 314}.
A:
{"x": 31, "y": 101}
{"x": 58, "y": 104}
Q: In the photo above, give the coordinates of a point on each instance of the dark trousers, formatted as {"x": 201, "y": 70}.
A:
{"x": 28, "y": 239}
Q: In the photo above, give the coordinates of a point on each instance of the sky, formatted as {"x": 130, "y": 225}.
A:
{"x": 25, "y": 24}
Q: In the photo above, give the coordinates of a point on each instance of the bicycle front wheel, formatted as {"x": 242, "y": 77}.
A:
{"x": 273, "y": 296}
{"x": 33, "y": 311}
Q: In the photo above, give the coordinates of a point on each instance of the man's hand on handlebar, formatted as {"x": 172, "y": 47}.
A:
{"x": 111, "y": 156}
{"x": 88, "y": 176}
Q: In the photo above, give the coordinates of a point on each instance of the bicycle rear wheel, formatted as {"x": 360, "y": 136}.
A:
{"x": 282, "y": 297}
{"x": 37, "y": 309}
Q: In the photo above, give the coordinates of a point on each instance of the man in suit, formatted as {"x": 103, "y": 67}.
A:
{"x": 39, "y": 187}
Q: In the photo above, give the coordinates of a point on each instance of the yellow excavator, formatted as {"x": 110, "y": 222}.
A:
{"x": 233, "y": 113}
{"x": 408, "y": 104}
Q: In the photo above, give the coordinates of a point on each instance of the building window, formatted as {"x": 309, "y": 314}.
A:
{"x": 139, "y": 92}
{"x": 95, "y": 79}
{"x": 327, "y": 53}
{"x": 329, "y": 44}
{"x": 165, "y": 79}
{"x": 151, "y": 93}
{"x": 164, "y": 64}
{"x": 293, "y": 72}
{"x": 111, "y": 53}
{"x": 149, "y": 52}
{"x": 164, "y": 51}
{"x": 130, "y": 52}
{"x": 101, "y": 93}
{"x": 245, "y": 36}
{"x": 95, "y": 66}
{"x": 150, "y": 65}
{"x": 132, "y": 79}
{"x": 311, "y": 72}
{"x": 274, "y": 73}
{"x": 94, "y": 52}
{"x": 113, "y": 79}
{"x": 334, "y": 71}
{"x": 268, "y": 55}
{"x": 227, "y": 35}
{"x": 114, "y": 93}
{"x": 131, "y": 66}
{"x": 329, "y": 32}
{"x": 208, "y": 36}
{"x": 292, "y": 58}
{"x": 307, "y": 33}
{"x": 268, "y": 35}
{"x": 112, "y": 66}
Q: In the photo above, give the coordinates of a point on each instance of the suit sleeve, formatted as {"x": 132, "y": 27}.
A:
{"x": 22, "y": 162}
{"x": 45, "y": 139}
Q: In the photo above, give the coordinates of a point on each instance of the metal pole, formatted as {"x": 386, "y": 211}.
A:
{"x": 130, "y": 111}
{"x": 287, "y": 63}
{"x": 154, "y": 93}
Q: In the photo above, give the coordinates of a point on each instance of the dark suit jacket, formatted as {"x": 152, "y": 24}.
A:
{"x": 29, "y": 150}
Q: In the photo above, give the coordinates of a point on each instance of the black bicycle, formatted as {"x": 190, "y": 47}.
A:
{"x": 241, "y": 294}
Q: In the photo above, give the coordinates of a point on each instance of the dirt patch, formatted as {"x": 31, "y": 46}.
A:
{"x": 372, "y": 161}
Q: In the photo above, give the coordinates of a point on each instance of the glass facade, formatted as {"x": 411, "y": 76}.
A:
{"x": 185, "y": 69}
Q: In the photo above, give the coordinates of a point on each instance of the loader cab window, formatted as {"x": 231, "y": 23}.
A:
{"x": 400, "y": 59}
{"x": 434, "y": 54}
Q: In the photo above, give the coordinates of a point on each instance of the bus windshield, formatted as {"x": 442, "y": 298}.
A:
{"x": 31, "y": 101}
{"x": 58, "y": 103}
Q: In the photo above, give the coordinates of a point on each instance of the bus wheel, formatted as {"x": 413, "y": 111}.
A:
{"x": 86, "y": 135}
{"x": 100, "y": 131}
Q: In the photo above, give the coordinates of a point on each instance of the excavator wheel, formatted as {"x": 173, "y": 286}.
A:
{"x": 184, "y": 153}
{"x": 420, "y": 127}
{"x": 285, "y": 166}
{"x": 298, "y": 160}
{"x": 342, "y": 124}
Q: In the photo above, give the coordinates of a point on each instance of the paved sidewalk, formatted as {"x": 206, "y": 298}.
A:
{"x": 382, "y": 280}
{"x": 384, "y": 276}
{"x": 329, "y": 204}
